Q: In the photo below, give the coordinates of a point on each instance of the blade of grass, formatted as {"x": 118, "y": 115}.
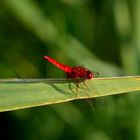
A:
{"x": 25, "y": 94}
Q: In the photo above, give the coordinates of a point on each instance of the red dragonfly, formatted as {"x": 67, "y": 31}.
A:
{"x": 78, "y": 73}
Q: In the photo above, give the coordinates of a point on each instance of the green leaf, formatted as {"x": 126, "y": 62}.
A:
{"x": 25, "y": 93}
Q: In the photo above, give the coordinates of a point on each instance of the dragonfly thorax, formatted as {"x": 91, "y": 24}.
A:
{"x": 79, "y": 72}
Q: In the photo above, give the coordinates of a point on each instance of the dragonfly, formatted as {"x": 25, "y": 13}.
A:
{"x": 77, "y": 73}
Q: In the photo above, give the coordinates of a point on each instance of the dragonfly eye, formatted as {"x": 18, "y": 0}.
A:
{"x": 89, "y": 74}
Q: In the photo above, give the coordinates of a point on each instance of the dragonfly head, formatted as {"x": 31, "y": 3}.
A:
{"x": 89, "y": 74}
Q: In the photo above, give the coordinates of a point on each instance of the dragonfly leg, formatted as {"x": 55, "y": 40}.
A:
{"x": 70, "y": 87}
{"x": 77, "y": 86}
{"x": 85, "y": 85}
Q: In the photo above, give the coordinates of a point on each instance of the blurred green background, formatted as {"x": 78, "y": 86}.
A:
{"x": 101, "y": 35}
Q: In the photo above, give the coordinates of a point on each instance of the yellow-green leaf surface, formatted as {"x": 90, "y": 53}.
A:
{"x": 19, "y": 93}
